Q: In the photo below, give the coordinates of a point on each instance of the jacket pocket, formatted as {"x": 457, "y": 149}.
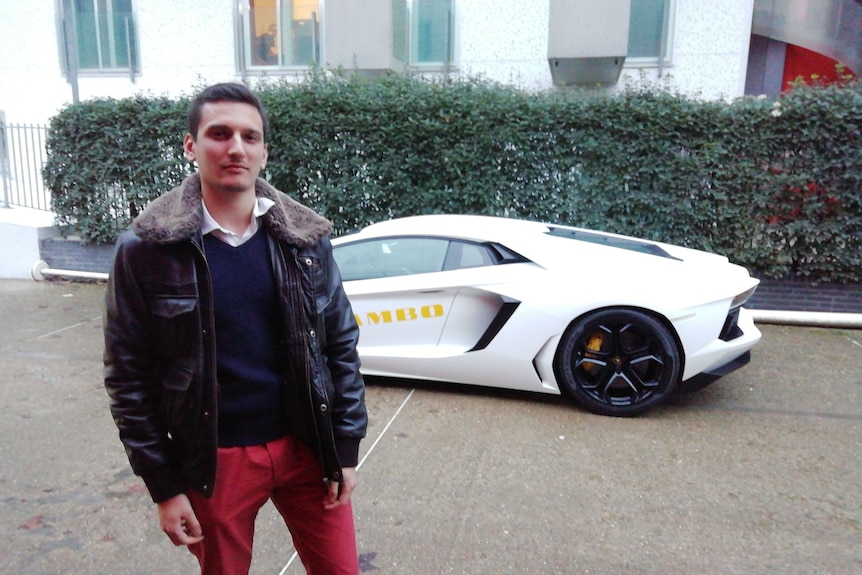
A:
{"x": 177, "y": 399}
{"x": 174, "y": 326}
{"x": 173, "y": 376}
{"x": 168, "y": 307}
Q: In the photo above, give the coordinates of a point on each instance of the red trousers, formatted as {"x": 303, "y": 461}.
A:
{"x": 287, "y": 472}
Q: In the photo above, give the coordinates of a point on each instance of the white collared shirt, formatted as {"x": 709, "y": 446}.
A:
{"x": 261, "y": 206}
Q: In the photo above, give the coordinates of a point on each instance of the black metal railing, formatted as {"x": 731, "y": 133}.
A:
{"x": 22, "y": 155}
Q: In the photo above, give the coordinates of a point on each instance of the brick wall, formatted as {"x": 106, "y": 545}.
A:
{"x": 69, "y": 254}
{"x": 792, "y": 294}
{"x": 798, "y": 294}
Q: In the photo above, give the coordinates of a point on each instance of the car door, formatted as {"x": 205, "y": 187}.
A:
{"x": 399, "y": 301}
{"x": 420, "y": 300}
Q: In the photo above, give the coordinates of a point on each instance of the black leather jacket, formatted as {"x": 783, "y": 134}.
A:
{"x": 160, "y": 349}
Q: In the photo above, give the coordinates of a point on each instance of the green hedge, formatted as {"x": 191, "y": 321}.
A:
{"x": 775, "y": 186}
{"x": 108, "y": 158}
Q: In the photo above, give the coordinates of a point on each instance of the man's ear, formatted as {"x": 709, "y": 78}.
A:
{"x": 189, "y": 147}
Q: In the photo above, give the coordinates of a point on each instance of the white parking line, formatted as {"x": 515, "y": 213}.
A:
{"x": 61, "y": 330}
{"x": 373, "y": 445}
{"x": 385, "y": 429}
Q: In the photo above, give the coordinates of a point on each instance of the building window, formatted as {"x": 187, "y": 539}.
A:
{"x": 280, "y": 33}
{"x": 423, "y": 32}
{"x": 650, "y": 27}
{"x": 101, "y": 34}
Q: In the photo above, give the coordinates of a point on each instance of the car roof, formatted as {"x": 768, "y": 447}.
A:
{"x": 543, "y": 243}
{"x": 468, "y": 227}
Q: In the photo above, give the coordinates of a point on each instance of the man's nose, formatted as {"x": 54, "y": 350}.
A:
{"x": 236, "y": 146}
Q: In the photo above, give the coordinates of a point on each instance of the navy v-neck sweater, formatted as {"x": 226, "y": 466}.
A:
{"x": 250, "y": 364}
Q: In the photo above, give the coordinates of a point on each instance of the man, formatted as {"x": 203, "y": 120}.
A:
{"x": 267, "y": 49}
{"x": 230, "y": 354}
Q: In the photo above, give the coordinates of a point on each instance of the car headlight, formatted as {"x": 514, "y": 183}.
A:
{"x": 740, "y": 299}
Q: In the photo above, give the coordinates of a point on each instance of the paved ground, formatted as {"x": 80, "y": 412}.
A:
{"x": 757, "y": 474}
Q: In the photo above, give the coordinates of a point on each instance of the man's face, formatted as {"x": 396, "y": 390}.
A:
{"x": 229, "y": 147}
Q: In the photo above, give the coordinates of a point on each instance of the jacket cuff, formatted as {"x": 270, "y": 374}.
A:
{"x": 163, "y": 483}
{"x": 348, "y": 451}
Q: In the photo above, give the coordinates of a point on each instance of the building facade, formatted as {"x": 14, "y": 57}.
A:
{"x": 53, "y": 52}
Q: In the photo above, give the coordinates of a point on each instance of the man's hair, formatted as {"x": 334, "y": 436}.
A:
{"x": 226, "y": 92}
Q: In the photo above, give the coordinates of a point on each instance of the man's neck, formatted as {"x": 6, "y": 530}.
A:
{"x": 232, "y": 211}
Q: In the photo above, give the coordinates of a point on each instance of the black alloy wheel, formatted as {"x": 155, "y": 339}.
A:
{"x": 618, "y": 362}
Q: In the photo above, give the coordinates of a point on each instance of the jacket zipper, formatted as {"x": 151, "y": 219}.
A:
{"x": 210, "y": 350}
{"x": 293, "y": 283}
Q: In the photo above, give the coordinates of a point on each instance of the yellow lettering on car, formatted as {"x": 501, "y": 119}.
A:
{"x": 405, "y": 313}
{"x": 400, "y": 314}
{"x": 429, "y": 311}
{"x": 374, "y": 317}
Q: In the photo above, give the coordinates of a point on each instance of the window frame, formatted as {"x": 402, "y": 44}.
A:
{"x": 406, "y": 37}
{"x": 245, "y": 40}
{"x": 665, "y": 58}
{"x": 67, "y": 23}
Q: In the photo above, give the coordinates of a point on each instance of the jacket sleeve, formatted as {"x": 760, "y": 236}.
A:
{"x": 349, "y": 415}
{"x": 133, "y": 392}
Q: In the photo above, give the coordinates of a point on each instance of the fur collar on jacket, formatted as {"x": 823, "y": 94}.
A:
{"x": 177, "y": 215}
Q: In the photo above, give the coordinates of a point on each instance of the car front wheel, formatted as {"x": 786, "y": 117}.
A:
{"x": 618, "y": 362}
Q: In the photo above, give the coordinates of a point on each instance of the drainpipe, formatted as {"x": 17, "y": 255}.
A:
{"x": 70, "y": 42}
{"x": 808, "y": 318}
{"x": 40, "y": 270}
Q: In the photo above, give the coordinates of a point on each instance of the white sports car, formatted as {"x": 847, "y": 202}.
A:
{"x": 617, "y": 323}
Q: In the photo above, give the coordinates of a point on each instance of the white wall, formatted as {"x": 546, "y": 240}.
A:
{"x": 710, "y": 54}
{"x": 20, "y": 230}
{"x": 505, "y": 40}
{"x": 184, "y": 45}
{"x": 30, "y": 80}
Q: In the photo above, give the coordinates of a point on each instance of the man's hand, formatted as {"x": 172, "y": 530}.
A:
{"x": 339, "y": 493}
{"x": 178, "y": 521}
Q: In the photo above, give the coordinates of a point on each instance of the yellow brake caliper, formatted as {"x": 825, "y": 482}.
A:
{"x": 594, "y": 344}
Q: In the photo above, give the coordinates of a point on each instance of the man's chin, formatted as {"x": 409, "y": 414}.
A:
{"x": 235, "y": 187}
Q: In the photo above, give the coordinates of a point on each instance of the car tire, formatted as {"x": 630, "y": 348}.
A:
{"x": 618, "y": 362}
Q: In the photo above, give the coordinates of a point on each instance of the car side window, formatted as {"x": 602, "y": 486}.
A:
{"x": 464, "y": 255}
{"x": 390, "y": 257}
